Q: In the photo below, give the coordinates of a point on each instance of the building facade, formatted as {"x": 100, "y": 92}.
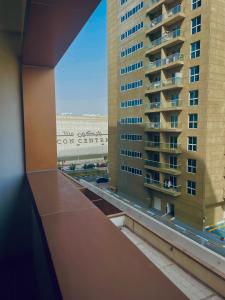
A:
{"x": 166, "y": 105}
{"x": 81, "y": 137}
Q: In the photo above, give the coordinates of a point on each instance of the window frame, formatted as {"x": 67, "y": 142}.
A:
{"x": 195, "y": 4}
{"x": 193, "y": 124}
{"x": 196, "y": 51}
{"x": 197, "y": 27}
{"x": 191, "y": 190}
{"x": 191, "y": 146}
{"x": 191, "y": 168}
{"x": 194, "y": 99}
{"x": 194, "y": 76}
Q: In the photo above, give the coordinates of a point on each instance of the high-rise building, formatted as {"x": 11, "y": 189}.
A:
{"x": 166, "y": 105}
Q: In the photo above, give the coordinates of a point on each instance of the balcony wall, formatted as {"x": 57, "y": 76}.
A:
{"x": 11, "y": 143}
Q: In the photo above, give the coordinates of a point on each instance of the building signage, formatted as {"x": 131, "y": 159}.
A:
{"x": 88, "y": 137}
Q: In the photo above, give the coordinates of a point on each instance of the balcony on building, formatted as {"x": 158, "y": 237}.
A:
{"x": 168, "y": 39}
{"x": 174, "y": 191}
{"x": 163, "y": 167}
{"x": 55, "y": 242}
{"x": 174, "y": 15}
{"x": 163, "y": 127}
{"x": 163, "y": 147}
{"x": 172, "y": 61}
{"x": 164, "y": 85}
{"x": 153, "y": 4}
{"x": 169, "y": 105}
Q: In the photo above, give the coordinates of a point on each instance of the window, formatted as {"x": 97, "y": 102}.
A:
{"x": 191, "y": 187}
{"x": 173, "y": 180}
{"x": 131, "y": 68}
{"x": 132, "y": 49}
{"x": 131, "y": 85}
{"x": 191, "y": 165}
{"x": 173, "y": 162}
{"x": 131, "y": 103}
{"x": 130, "y": 153}
{"x": 134, "y": 120}
{"x": 131, "y": 137}
{"x": 131, "y": 12}
{"x": 174, "y": 121}
{"x": 131, "y": 170}
{"x": 196, "y": 25}
{"x": 155, "y": 141}
{"x": 131, "y": 31}
{"x": 194, "y": 74}
{"x": 122, "y": 2}
{"x": 193, "y": 121}
{"x": 193, "y": 97}
{"x": 196, "y": 4}
{"x": 173, "y": 142}
{"x": 195, "y": 49}
{"x": 192, "y": 143}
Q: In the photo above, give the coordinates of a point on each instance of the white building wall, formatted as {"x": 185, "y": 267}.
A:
{"x": 81, "y": 136}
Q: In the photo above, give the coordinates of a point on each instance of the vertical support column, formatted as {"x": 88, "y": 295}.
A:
{"x": 113, "y": 91}
{"x": 39, "y": 118}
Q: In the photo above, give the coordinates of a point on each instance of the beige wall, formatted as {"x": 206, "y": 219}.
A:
{"x": 206, "y": 208}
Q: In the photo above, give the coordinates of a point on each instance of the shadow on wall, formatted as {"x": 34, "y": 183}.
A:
{"x": 127, "y": 184}
{"x": 25, "y": 267}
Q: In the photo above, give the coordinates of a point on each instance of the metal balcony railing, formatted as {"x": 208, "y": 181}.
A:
{"x": 153, "y": 2}
{"x": 167, "y": 104}
{"x": 153, "y": 125}
{"x": 165, "y": 61}
{"x": 156, "y": 21}
{"x": 158, "y": 145}
{"x": 172, "y": 12}
{"x": 161, "y": 165}
{"x": 164, "y": 186}
{"x": 164, "y": 83}
{"x": 159, "y": 125}
{"x": 175, "y": 10}
{"x": 166, "y": 37}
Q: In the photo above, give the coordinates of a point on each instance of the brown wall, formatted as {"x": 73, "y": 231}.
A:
{"x": 39, "y": 118}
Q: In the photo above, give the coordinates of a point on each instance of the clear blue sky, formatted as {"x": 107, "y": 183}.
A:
{"x": 81, "y": 75}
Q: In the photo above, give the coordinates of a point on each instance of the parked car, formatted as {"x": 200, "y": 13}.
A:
{"x": 89, "y": 166}
{"x": 102, "y": 165}
{"x": 102, "y": 180}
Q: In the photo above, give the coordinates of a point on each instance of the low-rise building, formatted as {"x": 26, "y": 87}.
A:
{"x": 82, "y": 137}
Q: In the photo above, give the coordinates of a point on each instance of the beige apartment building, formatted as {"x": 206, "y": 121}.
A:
{"x": 167, "y": 105}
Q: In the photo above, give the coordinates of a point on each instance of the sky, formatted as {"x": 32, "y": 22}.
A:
{"x": 81, "y": 75}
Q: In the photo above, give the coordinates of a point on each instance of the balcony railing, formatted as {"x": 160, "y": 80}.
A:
{"x": 164, "y": 83}
{"x": 172, "y": 12}
{"x": 158, "y": 145}
{"x": 153, "y": 125}
{"x": 167, "y": 104}
{"x": 164, "y": 186}
{"x": 175, "y": 10}
{"x": 166, "y": 61}
{"x": 153, "y": 2}
{"x": 154, "y": 105}
{"x": 156, "y": 21}
{"x": 161, "y": 165}
{"x": 166, "y": 37}
{"x": 159, "y": 125}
